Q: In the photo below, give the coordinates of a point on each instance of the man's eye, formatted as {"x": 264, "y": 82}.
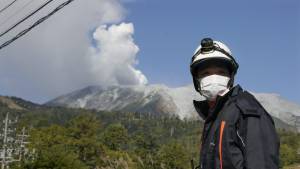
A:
{"x": 204, "y": 74}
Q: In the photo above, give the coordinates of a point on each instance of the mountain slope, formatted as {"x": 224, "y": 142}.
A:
{"x": 135, "y": 99}
{"x": 157, "y": 99}
{"x": 286, "y": 111}
{"x": 16, "y": 103}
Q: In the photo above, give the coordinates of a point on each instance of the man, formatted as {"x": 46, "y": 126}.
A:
{"x": 238, "y": 132}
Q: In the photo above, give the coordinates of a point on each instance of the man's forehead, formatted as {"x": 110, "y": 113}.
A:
{"x": 212, "y": 67}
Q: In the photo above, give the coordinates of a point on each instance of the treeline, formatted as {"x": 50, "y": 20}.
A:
{"x": 289, "y": 148}
{"x": 107, "y": 140}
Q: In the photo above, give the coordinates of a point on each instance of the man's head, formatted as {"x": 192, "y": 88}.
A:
{"x": 212, "y": 69}
{"x": 212, "y": 65}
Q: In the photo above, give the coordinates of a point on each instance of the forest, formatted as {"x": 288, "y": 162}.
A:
{"x": 64, "y": 138}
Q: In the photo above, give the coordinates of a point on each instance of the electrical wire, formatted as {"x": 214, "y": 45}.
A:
{"x": 3, "y": 9}
{"x": 25, "y": 18}
{"x": 14, "y": 14}
{"x": 22, "y": 33}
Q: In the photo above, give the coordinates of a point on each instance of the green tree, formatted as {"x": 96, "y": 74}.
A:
{"x": 56, "y": 157}
{"x": 51, "y": 150}
{"x": 83, "y": 138}
{"x": 145, "y": 147}
{"x": 173, "y": 156}
{"x": 115, "y": 136}
{"x": 288, "y": 155}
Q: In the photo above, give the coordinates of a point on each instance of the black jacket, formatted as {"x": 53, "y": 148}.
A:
{"x": 238, "y": 133}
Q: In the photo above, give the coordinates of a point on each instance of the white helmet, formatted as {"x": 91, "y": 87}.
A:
{"x": 214, "y": 52}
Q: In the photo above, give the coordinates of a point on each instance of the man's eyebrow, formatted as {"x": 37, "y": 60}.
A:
{"x": 203, "y": 72}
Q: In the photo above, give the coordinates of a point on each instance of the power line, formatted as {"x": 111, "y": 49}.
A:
{"x": 3, "y": 9}
{"x": 18, "y": 11}
{"x": 25, "y": 18}
{"x": 36, "y": 23}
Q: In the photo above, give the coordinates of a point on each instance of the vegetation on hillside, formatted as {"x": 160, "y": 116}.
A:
{"x": 65, "y": 138}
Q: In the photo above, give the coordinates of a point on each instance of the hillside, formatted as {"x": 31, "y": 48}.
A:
{"x": 157, "y": 99}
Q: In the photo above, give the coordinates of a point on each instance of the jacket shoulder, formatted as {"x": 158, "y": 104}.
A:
{"x": 249, "y": 105}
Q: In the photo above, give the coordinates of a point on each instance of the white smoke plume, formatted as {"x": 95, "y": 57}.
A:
{"x": 84, "y": 44}
{"x": 114, "y": 57}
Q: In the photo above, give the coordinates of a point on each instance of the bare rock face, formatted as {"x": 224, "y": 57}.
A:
{"x": 160, "y": 99}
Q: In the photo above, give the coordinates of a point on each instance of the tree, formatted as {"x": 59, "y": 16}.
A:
{"x": 56, "y": 157}
{"x": 51, "y": 150}
{"x": 173, "y": 156}
{"x": 83, "y": 138}
{"x": 288, "y": 155}
{"x": 115, "y": 136}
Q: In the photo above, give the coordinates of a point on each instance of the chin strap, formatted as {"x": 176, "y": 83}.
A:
{"x": 231, "y": 81}
{"x": 227, "y": 90}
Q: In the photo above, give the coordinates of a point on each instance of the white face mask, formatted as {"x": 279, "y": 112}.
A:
{"x": 213, "y": 85}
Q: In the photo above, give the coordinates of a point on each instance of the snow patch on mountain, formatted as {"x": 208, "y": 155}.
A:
{"x": 288, "y": 112}
{"x": 183, "y": 98}
{"x": 163, "y": 99}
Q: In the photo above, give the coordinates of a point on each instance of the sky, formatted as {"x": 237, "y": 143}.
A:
{"x": 140, "y": 42}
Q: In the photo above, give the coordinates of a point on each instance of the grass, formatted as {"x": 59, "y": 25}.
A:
{"x": 297, "y": 166}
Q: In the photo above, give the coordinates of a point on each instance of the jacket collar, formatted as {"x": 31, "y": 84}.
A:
{"x": 203, "y": 109}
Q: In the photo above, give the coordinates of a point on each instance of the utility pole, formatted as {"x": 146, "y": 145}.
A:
{"x": 13, "y": 145}
{"x": 3, "y": 152}
{"x": 21, "y": 150}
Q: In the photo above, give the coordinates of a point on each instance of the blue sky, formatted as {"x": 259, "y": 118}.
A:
{"x": 93, "y": 43}
{"x": 264, "y": 36}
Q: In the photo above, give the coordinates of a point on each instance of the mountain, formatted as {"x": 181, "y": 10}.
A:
{"x": 16, "y": 103}
{"x": 157, "y": 99}
{"x": 288, "y": 112}
{"x": 151, "y": 99}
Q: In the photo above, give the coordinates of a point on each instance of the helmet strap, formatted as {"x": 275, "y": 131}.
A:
{"x": 231, "y": 81}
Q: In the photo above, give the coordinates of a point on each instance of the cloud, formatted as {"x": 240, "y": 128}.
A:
{"x": 59, "y": 56}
